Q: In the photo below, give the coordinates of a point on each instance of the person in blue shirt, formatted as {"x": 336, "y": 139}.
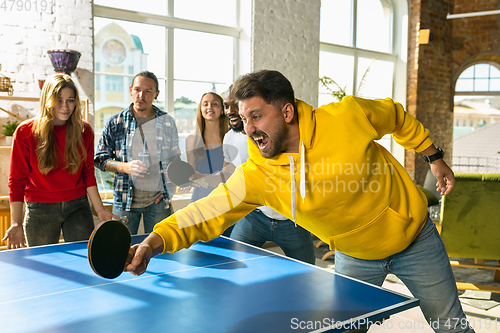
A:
{"x": 204, "y": 146}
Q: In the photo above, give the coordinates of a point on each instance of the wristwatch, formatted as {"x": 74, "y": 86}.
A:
{"x": 434, "y": 157}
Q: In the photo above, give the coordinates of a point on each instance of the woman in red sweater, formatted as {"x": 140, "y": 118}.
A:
{"x": 52, "y": 169}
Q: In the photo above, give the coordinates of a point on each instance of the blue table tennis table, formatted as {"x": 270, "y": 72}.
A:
{"x": 218, "y": 286}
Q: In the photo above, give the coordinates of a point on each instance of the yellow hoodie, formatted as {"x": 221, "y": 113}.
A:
{"x": 346, "y": 189}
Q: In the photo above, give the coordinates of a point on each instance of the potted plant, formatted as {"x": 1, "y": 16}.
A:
{"x": 340, "y": 93}
{"x": 8, "y": 130}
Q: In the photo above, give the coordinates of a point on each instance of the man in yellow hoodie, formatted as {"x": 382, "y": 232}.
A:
{"x": 324, "y": 170}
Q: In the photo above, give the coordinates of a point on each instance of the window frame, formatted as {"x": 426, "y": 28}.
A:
{"x": 358, "y": 53}
{"x": 170, "y": 23}
{"x": 475, "y": 93}
{"x": 399, "y": 25}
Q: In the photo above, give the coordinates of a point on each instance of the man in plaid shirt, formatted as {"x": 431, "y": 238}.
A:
{"x": 137, "y": 144}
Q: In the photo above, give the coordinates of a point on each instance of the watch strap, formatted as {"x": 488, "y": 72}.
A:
{"x": 434, "y": 157}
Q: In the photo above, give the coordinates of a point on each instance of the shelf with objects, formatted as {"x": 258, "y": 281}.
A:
{"x": 63, "y": 61}
{"x": 17, "y": 117}
{"x": 6, "y": 84}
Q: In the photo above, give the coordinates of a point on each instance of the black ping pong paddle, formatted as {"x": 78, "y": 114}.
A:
{"x": 178, "y": 172}
{"x": 108, "y": 248}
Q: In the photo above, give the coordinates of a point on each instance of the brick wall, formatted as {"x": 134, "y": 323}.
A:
{"x": 25, "y": 37}
{"x": 475, "y": 38}
{"x": 434, "y": 68}
{"x": 286, "y": 38}
{"x": 430, "y": 96}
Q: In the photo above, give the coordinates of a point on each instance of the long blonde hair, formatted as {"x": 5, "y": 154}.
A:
{"x": 200, "y": 134}
{"x": 46, "y": 150}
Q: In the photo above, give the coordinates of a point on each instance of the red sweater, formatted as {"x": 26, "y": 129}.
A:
{"x": 26, "y": 183}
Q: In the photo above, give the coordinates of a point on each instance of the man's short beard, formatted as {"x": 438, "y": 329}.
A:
{"x": 280, "y": 140}
{"x": 237, "y": 129}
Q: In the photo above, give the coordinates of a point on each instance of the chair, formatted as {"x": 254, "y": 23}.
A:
{"x": 470, "y": 223}
{"x": 4, "y": 224}
{"x": 326, "y": 255}
{"x": 433, "y": 198}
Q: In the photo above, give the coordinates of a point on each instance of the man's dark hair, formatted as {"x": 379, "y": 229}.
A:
{"x": 272, "y": 86}
{"x": 149, "y": 75}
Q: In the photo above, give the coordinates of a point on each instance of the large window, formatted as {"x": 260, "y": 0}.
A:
{"x": 363, "y": 24}
{"x": 190, "y": 51}
{"x": 114, "y": 84}
{"x": 363, "y": 52}
{"x": 121, "y": 50}
{"x": 356, "y": 48}
{"x": 477, "y": 105}
{"x": 202, "y": 62}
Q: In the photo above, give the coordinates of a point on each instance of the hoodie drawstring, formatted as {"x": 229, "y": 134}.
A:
{"x": 292, "y": 185}
{"x": 302, "y": 178}
{"x": 303, "y": 173}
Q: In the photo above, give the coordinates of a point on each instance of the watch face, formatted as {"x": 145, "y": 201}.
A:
{"x": 113, "y": 52}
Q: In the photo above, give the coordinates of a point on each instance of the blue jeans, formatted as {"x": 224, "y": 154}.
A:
{"x": 151, "y": 215}
{"x": 44, "y": 221}
{"x": 256, "y": 228}
{"x": 424, "y": 267}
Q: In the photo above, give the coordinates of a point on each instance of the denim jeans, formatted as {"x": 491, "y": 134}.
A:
{"x": 228, "y": 231}
{"x": 256, "y": 228}
{"x": 43, "y": 221}
{"x": 424, "y": 267}
{"x": 151, "y": 215}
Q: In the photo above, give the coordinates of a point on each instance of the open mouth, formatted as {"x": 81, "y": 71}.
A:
{"x": 234, "y": 120}
{"x": 261, "y": 141}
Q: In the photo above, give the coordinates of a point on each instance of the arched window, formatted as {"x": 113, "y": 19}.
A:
{"x": 477, "y": 103}
{"x": 479, "y": 79}
{"x": 477, "y": 96}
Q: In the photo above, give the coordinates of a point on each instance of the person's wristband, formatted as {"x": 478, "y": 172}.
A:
{"x": 434, "y": 157}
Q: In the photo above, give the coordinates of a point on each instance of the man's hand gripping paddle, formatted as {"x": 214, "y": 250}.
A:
{"x": 178, "y": 172}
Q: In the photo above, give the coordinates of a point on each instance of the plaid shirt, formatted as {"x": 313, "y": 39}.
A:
{"x": 116, "y": 144}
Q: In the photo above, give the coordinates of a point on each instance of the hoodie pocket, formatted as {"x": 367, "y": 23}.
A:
{"x": 387, "y": 234}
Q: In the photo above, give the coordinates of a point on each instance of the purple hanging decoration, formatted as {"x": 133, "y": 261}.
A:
{"x": 64, "y": 60}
